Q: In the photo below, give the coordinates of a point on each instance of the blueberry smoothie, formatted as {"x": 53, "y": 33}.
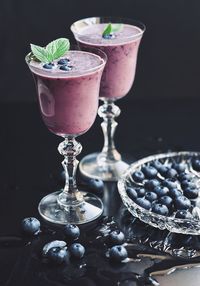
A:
{"x": 68, "y": 90}
{"x": 121, "y": 49}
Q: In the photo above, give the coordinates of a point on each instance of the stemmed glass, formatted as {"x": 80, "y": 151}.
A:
{"x": 68, "y": 103}
{"x": 117, "y": 79}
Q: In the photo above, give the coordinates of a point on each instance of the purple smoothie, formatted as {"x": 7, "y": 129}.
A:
{"x": 119, "y": 73}
{"x": 69, "y": 99}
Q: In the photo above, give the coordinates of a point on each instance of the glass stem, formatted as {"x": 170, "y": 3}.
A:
{"x": 108, "y": 111}
{"x": 70, "y": 148}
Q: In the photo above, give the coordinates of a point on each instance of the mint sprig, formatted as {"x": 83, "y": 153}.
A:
{"x": 52, "y": 51}
{"x": 112, "y": 28}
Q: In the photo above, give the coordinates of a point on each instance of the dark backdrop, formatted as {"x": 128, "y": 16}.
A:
{"x": 169, "y": 57}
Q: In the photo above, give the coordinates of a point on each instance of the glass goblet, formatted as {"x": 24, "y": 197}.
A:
{"x": 121, "y": 49}
{"x": 68, "y": 103}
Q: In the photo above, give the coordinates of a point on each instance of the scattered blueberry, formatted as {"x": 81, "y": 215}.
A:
{"x": 140, "y": 192}
{"x": 143, "y": 203}
{"x": 161, "y": 191}
{"x": 96, "y": 185}
{"x": 53, "y": 244}
{"x": 151, "y": 184}
{"x": 48, "y": 66}
{"x": 166, "y": 200}
{"x": 118, "y": 253}
{"x": 191, "y": 193}
{"x": 116, "y": 237}
{"x": 170, "y": 184}
{"x": 179, "y": 167}
{"x": 131, "y": 193}
{"x": 31, "y": 225}
{"x": 184, "y": 214}
{"x": 196, "y": 165}
{"x": 57, "y": 255}
{"x": 138, "y": 176}
{"x": 174, "y": 193}
{"x": 77, "y": 250}
{"x": 182, "y": 203}
{"x": 72, "y": 231}
{"x": 65, "y": 68}
{"x": 160, "y": 209}
{"x": 149, "y": 172}
{"x": 188, "y": 184}
{"x": 63, "y": 61}
{"x": 151, "y": 196}
{"x": 171, "y": 173}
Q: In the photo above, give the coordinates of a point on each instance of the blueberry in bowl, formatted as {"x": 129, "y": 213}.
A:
{"x": 161, "y": 191}
{"x": 149, "y": 172}
{"x": 138, "y": 176}
{"x": 151, "y": 196}
{"x": 142, "y": 202}
{"x": 151, "y": 184}
{"x": 182, "y": 203}
{"x": 160, "y": 209}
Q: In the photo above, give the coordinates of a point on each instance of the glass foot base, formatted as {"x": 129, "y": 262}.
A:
{"x": 88, "y": 210}
{"x": 109, "y": 172}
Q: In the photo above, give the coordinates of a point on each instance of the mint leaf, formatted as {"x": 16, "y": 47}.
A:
{"x": 52, "y": 51}
{"x": 108, "y": 30}
{"x": 40, "y": 53}
{"x": 58, "y": 48}
{"x": 116, "y": 27}
{"x": 112, "y": 28}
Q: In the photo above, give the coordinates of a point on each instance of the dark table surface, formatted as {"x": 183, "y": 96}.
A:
{"x": 30, "y": 168}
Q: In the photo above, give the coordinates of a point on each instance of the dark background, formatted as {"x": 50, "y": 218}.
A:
{"x": 168, "y": 63}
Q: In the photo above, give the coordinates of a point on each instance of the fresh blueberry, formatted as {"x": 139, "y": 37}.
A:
{"x": 149, "y": 172}
{"x": 31, "y": 225}
{"x": 116, "y": 237}
{"x": 118, "y": 253}
{"x": 53, "y": 244}
{"x": 151, "y": 196}
{"x": 163, "y": 170}
{"x": 179, "y": 167}
{"x": 63, "y": 61}
{"x": 166, "y": 200}
{"x": 183, "y": 214}
{"x": 161, "y": 191}
{"x": 57, "y": 255}
{"x": 131, "y": 193}
{"x": 151, "y": 184}
{"x": 188, "y": 184}
{"x": 171, "y": 173}
{"x": 140, "y": 192}
{"x": 108, "y": 36}
{"x": 66, "y": 68}
{"x": 170, "y": 184}
{"x": 72, "y": 231}
{"x": 185, "y": 176}
{"x": 157, "y": 164}
{"x": 174, "y": 193}
{"x": 160, "y": 209}
{"x": 96, "y": 185}
{"x": 196, "y": 165}
{"x": 77, "y": 250}
{"x": 191, "y": 193}
{"x": 138, "y": 176}
{"x": 48, "y": 66}
{"x": 143, "y": 203}
{"x": 182, "y": 203}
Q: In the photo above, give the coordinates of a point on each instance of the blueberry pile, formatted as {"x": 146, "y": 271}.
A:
{"x": 60, "y": 251}
{"x": 62, "y": 64}
{"x": 167, "y": 188}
